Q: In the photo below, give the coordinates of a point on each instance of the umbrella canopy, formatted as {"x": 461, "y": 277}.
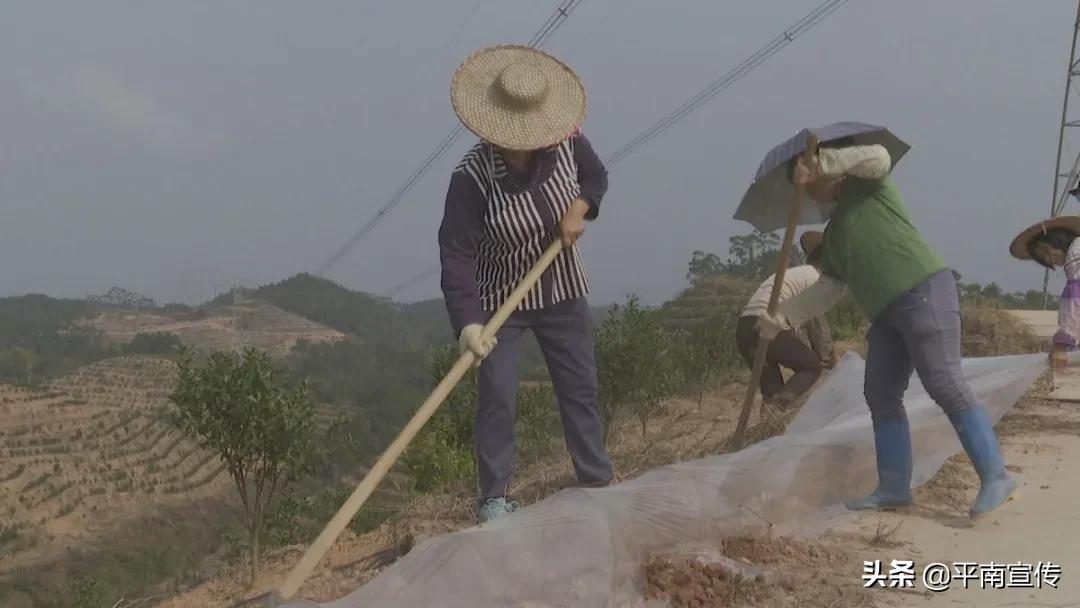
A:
{"x": 766, "y": 202}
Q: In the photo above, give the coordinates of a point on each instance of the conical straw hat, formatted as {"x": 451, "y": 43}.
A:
{"x": 1018, "y": 248}
{"x": 517, "y": 97}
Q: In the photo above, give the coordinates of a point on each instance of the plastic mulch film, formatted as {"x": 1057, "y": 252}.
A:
{"x": 585, "y": 547}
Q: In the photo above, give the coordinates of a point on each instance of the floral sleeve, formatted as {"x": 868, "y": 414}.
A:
{"x": 1069, "y": 307}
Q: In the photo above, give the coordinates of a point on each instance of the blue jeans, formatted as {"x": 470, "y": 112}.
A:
{"x": 919, "y": 331}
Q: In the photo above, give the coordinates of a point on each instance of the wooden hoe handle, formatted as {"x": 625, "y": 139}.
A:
{"x": 774, "y": 297}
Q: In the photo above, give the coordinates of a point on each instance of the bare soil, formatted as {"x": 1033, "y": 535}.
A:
{"x": 789, "y": 572}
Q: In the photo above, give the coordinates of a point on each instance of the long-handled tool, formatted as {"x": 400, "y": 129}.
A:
{"x": 382, "y": 466}
{"x": 774, "y": 297}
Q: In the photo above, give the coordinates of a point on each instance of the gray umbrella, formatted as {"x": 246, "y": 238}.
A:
{"x": 766, "y": 202}
{"x": 768, "y": 206}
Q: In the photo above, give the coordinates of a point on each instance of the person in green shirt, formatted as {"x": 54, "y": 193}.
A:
{"x": 911, "y": 298}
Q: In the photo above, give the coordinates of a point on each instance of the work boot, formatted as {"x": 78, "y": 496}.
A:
{"x": 892, "y": 444}
{"x": 494, "y": 508}
{"x": 977, "y": 436}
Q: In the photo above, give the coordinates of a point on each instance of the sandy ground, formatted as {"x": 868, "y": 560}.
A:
{"x": 1041, "y": 441}
{"x": 1041, "y": 525}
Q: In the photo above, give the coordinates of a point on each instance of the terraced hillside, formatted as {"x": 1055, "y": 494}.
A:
{"x": 248, "y": 323}
{"x": 705, "y": 298}
{"x": 90, "y": 448}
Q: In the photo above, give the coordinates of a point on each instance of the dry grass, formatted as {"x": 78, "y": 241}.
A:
{"x": 992, "y": 332}
{"x": 987, "y": 332}
{"x": 885, "y": 536}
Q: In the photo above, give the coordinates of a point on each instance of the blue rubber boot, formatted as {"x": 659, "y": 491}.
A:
{"x": 977, "y": 436}
{"x": 892, "y": 444}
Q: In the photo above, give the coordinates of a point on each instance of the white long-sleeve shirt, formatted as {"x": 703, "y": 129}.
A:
{"x": 797, "y": 280}
{"x": 868, "y": 162}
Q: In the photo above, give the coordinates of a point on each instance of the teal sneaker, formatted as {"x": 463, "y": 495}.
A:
{"x": 495, "y": 508}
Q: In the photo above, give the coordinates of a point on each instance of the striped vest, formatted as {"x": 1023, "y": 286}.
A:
{"x": 519, "y": 226}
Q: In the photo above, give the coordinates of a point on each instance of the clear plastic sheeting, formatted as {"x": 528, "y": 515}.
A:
{"x": 585, "y": 547}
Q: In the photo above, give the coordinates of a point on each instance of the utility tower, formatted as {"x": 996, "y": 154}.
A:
{"x": 1067, "y": 170}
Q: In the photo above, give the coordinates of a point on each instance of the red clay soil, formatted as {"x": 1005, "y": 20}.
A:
{"x": 690, "y": 583}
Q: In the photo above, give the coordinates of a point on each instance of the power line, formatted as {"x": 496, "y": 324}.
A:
{"x": 431, "y": 159}
{"x": 713, "y": 89}
{"x": 553, "y": 23}
{"x": 412, "y": 281}
{"x": 709, "y": 92}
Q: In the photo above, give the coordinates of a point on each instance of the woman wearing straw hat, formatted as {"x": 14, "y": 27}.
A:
{"x": 1053, "y": 244}
{"x": 786, "y": 349}
{"x": 532, "y": 178}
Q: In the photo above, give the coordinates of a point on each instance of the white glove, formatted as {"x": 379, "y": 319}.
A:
{"x": 769, "y": 326}
{"x": 470, "y": 340}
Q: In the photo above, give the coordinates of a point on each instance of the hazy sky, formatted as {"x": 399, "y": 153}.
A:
{"x": 171, "y": 148}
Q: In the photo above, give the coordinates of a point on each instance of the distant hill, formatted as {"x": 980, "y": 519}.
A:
{"x": 429, "y": 319}
{"x": 418, "y": 326}
{"x": 707, "y": 296}
{"x": 247, "y": 323}
{"x": 355, "y": 313}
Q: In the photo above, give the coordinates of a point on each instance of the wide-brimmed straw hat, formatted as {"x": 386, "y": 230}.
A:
{"x": 1019, "y": 247}
{"x": 517, "y": 97}
{"x": 811, "y": 240}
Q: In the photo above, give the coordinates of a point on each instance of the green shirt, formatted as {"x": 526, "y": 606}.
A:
{"x": 872, "y": 246}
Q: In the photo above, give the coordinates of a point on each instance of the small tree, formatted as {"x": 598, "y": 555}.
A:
{"x": 536, "y": 421}
{"x": 705, "y": 350}
{"x": 634, "y": 359}
{"x": 702, "y": 265}
{"x": 261, "y": 430}
{"x": 992, "y": 291}
{"x": 443, "y": 453}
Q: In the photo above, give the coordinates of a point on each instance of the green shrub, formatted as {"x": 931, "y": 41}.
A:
{"x": 706, "y": 352}
{"x": 636, "y": 365}
{"x": 536, "y": 421}
{"x": 846, "y": 320}
{"x": 154, "y": 343}
{"x": 443, "y": 454}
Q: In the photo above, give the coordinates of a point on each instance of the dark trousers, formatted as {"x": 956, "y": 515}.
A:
{"x": 565, "y": 335}
{"x": 786, "y": 350}
{"x": 920, "y": 332}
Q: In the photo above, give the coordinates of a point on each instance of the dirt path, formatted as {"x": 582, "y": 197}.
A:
{"x": 1041, "y": 441}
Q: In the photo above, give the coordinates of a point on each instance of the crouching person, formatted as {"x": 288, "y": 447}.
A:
{"x": 787, "y": 349}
